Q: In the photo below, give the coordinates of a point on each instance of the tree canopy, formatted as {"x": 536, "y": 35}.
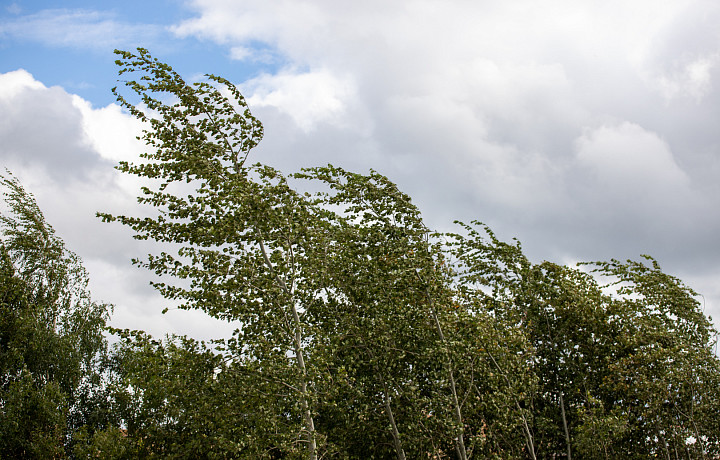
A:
{"x": 361, "y": 333}
{"x": 51, "y": 336}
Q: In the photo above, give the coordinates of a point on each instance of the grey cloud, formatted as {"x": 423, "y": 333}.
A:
{"x": 507, "y": 115}
{"x": 549, "y": 122}
{"x": 42, "y": 129}
{"x": 44, "y": 143}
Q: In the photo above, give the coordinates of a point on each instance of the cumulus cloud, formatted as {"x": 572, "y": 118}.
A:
{"x": 528, "y": 74}
{"x": 17, "y": 81}
{"x": 46, "y": 144}
{"x": 41, "y": 127}
{"x": 630, "y": 159}
{"x": 109, "y": 131}
{"x": 628, "y": 184}
{"x": 587, "y": 129}
{"x": 63, "y": 150}
{"x": 308, "y": 98}
{"x": 503, "y": 91}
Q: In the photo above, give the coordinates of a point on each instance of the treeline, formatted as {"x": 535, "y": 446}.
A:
{"x": 361, "y": 332}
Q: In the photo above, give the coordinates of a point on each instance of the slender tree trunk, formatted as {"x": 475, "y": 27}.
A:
{"x": 309, "y": 422}
{"x": 400, "y": 452}
{"x": 395, "y": 433}
{"x": 299, "y": 359}
{"x": 698, "y": 438}
{"x": 460, "y": 441}
{"x": 528, "y": 434}
{"x": 526, "y": 427}
{"x": 665, "y": 446}
{"x": 565, "y": 426}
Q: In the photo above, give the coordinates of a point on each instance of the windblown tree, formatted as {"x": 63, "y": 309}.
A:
{"x": 378, "y": 329}
{"x": 255, "y": 251}
{"x": 51, "y": 337}
{"x": 626, "y": 372}
{"x": 362, "y": 334}
{"x": 249, "y": 246}
{"x": 663, "y": 380}
{"x": 421, "y": 357}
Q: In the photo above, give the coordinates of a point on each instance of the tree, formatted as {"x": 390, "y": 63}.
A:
{"x": 175, "y": 400}
{"x": 251, "y": 248}
{"x": 361, "y": 333}
{"x": 663, "y": 380}
{"x": 377, "y": 329}
{"x": 50, "y": 336}
{"x": 631, "y": 371}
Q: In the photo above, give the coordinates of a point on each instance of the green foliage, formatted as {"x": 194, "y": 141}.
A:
{"x": 251, "y": 248}
{"x": 362, "y": 334}
{"x": 630, "y": 369}
{"x": 664, "y": 376}
{"x": 50, "y": 335}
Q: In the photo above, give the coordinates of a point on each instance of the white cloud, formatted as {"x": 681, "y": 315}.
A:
{"x": 522, "y": 74}
{"x": 40, "y": 127}
{"x": 240, "y": 53}
{"x": 629, "y": 157}
{"x": 226, "y": 21}
{"x": 681, "y": 58}
{"x": 16, "y": 81}
{"x": 140, "y": 306}
{"x": 626, "y": 180}
{"x": 587, "y": 129}
{"x": 630, "y": 195}
{"x": 510, "y": 112}
{"x": 62, "y": 149}
{"x": 308, "y": 98}
{"x": 693, "y": 79}
{"x": 526, "y": 70}
{"x": 44, "y": 142}
{"x": 111, "y": 132}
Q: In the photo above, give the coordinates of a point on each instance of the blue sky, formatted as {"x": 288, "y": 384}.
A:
{"x": 586, "y": 129}
{"x": 71, "y": 43}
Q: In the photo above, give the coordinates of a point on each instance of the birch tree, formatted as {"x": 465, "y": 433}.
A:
{"x": 245, "y": 243}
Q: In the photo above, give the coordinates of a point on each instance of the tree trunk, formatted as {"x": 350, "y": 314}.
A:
{"x": 395, "y": 433}
{"x": 526, "y": 427}
{"x": 565, "y": 426}
{"x": 460, "y": 441}
{"x": 528, "y": 434}
{"x": 309, "y": 422}
{"x": 299, "y": 358}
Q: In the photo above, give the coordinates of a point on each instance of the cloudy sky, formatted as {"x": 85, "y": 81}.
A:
{"x": 589, "y": 130}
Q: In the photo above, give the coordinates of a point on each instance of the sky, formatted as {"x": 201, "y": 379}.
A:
{"x": 588, "y": 130}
